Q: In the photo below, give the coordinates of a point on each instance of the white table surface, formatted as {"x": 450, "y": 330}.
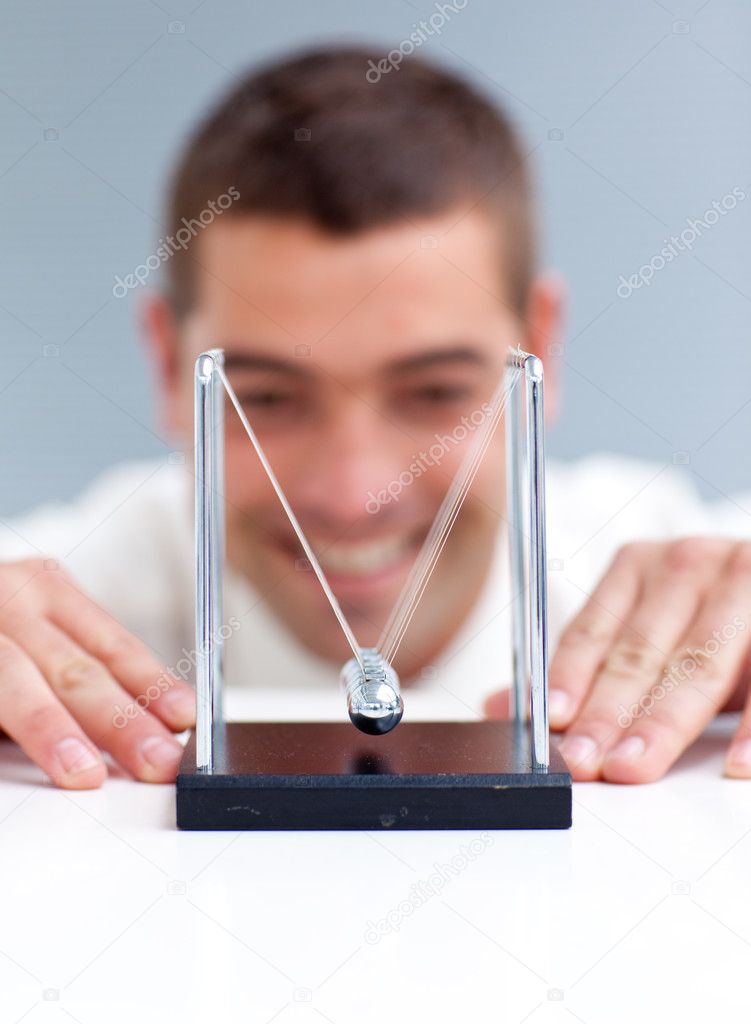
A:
{"x": 642, "y": 911}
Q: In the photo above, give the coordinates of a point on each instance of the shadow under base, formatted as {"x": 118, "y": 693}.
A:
{"x": 328, "y": 775}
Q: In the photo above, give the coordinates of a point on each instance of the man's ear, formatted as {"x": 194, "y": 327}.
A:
{"x": 161, "y": 338}
{"x": 543, "y": 321}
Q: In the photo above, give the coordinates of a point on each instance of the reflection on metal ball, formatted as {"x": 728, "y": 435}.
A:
{"x": 374, "y": 702}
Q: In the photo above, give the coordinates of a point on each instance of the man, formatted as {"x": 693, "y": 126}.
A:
{"x": 364, "y": 254}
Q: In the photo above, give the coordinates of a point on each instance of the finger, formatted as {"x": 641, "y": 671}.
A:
{"x": 738, "y": 759}
{"x": 704, "y": 668}
{"x": 585, "y": 641}
{"x": 126, "y": 657}
{"x": 141, "y": 744}
{"x": 42, "y": 727}
{"x": 670, "y": 597}
{"x": 498, "y": 705}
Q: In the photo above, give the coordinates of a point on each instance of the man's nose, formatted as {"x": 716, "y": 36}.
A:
{"x": 349, "y": 460}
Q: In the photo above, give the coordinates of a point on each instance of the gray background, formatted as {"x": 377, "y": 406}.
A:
{"x": 638, "y": 117}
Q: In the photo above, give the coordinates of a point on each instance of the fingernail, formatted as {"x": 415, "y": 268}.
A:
{"x": 629, "y": 749}
{"x": 181, "y": 704}
{"x": 577, "y": 749}
{"x": 560, "y": 707}
{"x": 75, "y": 756}
{"x": 739, "y": 756}
{"x": 159, "y": 752}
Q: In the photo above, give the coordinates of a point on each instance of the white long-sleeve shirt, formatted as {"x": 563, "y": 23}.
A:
{"x": 128, "y": 542}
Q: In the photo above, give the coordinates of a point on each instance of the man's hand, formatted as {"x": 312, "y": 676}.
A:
{"x": 73, "y": 682}
{"x": 658, "y": 650}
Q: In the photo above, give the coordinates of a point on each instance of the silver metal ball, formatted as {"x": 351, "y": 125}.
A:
{"x": 374, "y": 702}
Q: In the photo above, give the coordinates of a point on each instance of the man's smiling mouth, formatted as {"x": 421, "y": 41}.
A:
{"x": 375, "y": 561}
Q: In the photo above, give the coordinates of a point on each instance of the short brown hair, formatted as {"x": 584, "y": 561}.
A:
{"x": 312, "y": 137}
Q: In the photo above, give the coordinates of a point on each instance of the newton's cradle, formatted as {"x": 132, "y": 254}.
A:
{"x": 375, "y": 771}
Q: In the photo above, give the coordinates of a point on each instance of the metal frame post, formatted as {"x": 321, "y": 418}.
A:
{"x": 209, "y": 551}
{"x": 526, "y": 465}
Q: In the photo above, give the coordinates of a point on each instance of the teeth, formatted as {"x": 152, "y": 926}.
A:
{"x": 364, "y": 558}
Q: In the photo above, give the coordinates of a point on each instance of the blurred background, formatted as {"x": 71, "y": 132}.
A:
{"x": 636, "y": 119}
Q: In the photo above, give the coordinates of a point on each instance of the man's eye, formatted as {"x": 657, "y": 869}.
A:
{"x": 440, "y": 394}
{"x": 265, "y": 399}
{"x": 269, "y": 408}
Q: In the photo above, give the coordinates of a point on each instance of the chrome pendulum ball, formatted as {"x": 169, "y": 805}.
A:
{"x": 373, "y": 699}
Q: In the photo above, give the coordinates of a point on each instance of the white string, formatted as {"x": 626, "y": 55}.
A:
{"x": 346, "y": 628}
{"x": 406, "y": 604}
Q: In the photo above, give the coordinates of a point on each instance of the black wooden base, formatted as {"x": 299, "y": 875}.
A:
{"x": 328, "y": 775}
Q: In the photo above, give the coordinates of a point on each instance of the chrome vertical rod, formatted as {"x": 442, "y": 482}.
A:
{"x": 538, "y": 597}
{"x": 515, "y": 469}
{"x": 208, "y": 564}
{"x": 217, "y": 525}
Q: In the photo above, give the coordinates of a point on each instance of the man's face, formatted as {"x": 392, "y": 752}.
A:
{"x": 364, "y": 365}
